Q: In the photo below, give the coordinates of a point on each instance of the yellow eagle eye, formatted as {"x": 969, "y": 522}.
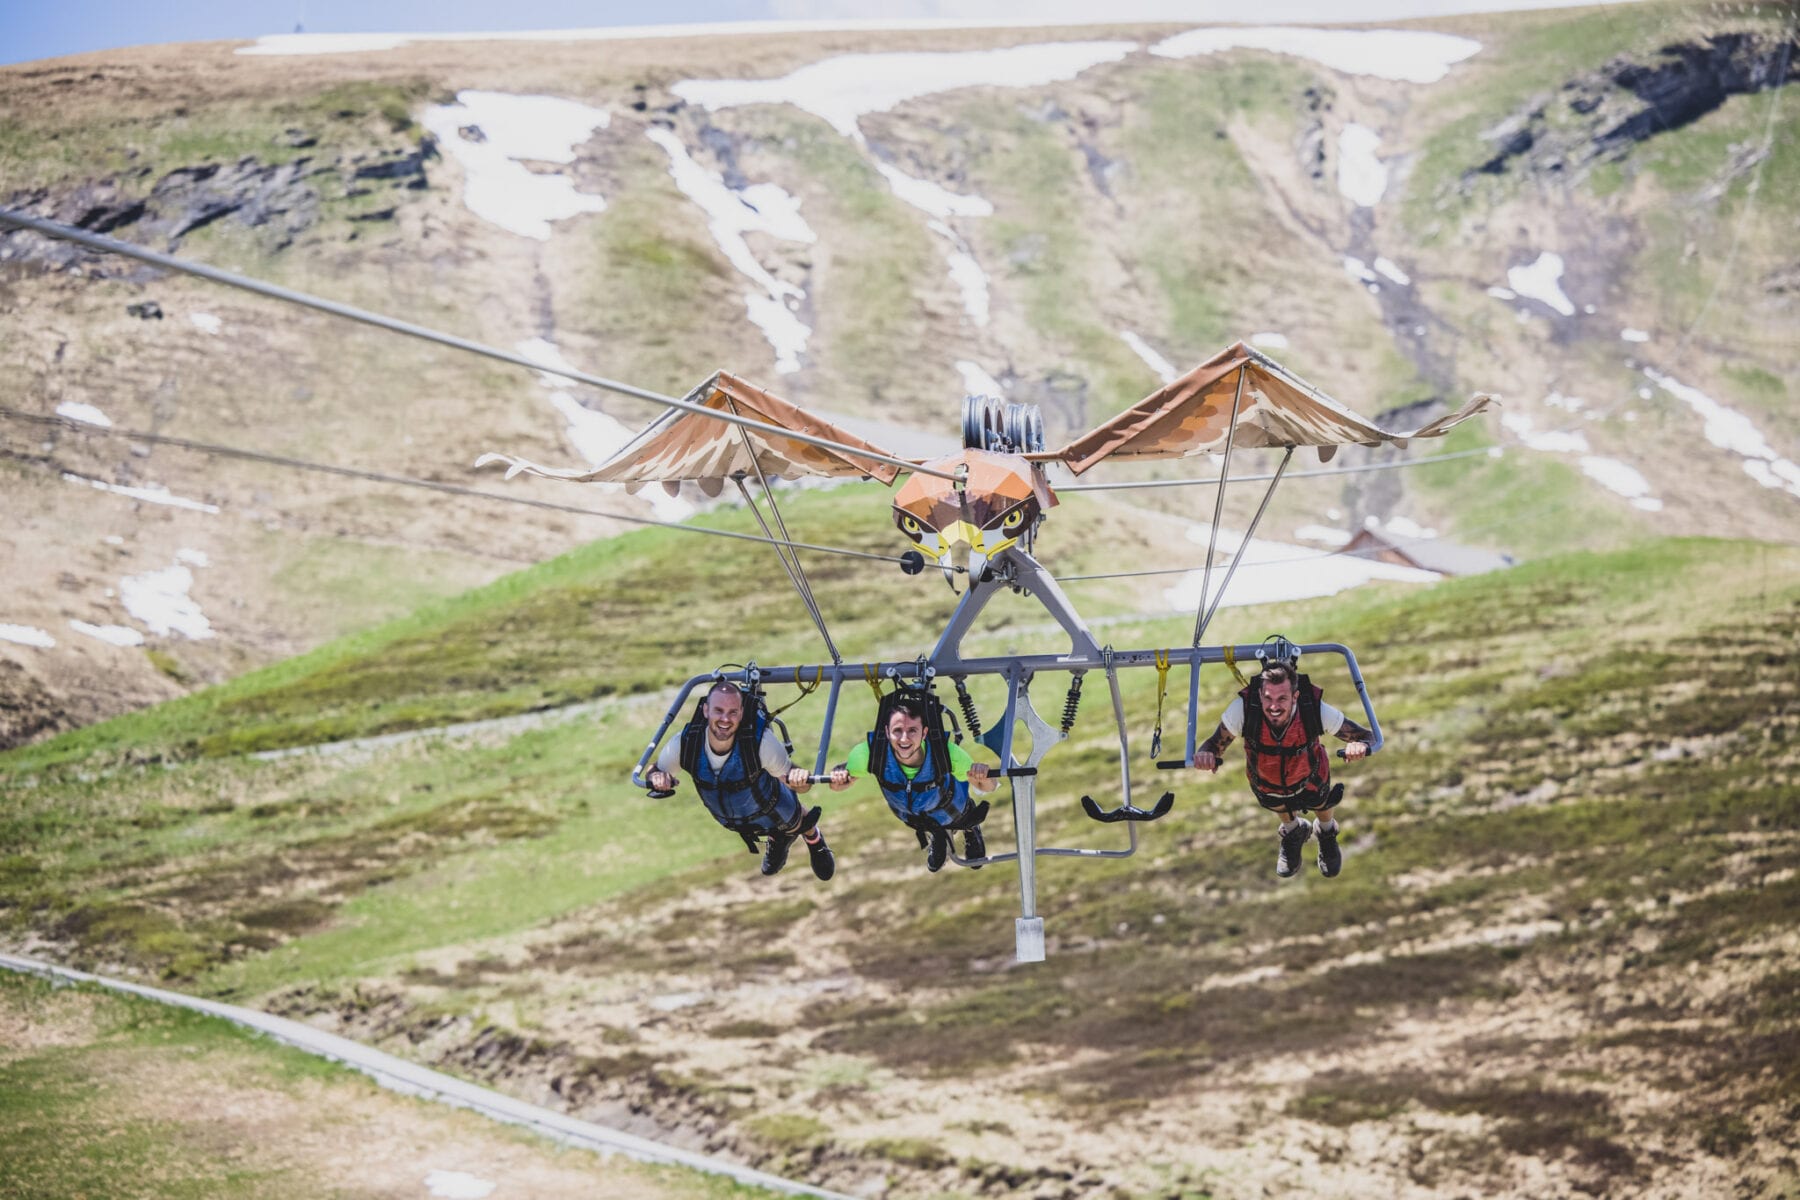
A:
{"x": 1013, "y": 519}
{"x": 908, "y": 525}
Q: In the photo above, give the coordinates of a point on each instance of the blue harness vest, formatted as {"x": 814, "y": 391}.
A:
{"x": 740, "y": 795}
{"x": 931, "y": 797}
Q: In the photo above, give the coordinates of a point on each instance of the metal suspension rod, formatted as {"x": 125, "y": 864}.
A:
{"x": 1244, "y": 545}
{"x": 794, "y": 576}
{"x": 798, "y": 571}
{"x": 1212, "y": 540}
{"x": 274, "y": 291}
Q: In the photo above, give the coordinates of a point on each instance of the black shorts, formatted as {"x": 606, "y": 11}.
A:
{"x": 1329, "y": 796}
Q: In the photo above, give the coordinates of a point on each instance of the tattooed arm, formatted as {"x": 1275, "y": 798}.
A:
{"x": 1208, "y": 753}
{"x": 1357, "y": 739}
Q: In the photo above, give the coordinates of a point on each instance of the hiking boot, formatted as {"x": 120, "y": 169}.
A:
{"x": 974, "y": 847}
{"x": 937, "y": 849}
{"x": 1288, "y": 863}
{"x": 1331, "y": 859}
{"x": 775, "y": 850}
{"x": 824, "y": 863}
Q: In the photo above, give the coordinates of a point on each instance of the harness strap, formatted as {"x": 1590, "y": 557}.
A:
{"x": 1162, "y": 691}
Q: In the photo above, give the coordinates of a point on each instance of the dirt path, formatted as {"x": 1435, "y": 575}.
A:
{"x": 410, "y": 1079}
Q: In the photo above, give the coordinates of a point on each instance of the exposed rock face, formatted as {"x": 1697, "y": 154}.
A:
{"x": 282, "y": 198}
{"x": 1626, "y": 102}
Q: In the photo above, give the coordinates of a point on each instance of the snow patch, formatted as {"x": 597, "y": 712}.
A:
{"x": 154, "y": 493}
{"x": 206, "y": 323}
{"x": 1633, "y": 335}
{"x": 1618, "y": 477}
{"x": 114, "y": 635}
{"x": 1324, "y": 534}
{"x": 761, "y": 208}
{"x": 1403, "y": 55}
{"x": 497, "y": 186}
{"x": 1358, "y": 270}
{"x": 160, "y": 600}
{"x": 927, "y": 196}
{"x": 1552, "y": 442}
{"x": 1391, "y": 269}
{"x": 1165, "y": 371}
{"x": 965, "y": 273}
{"x": 1566, "y": 403}
{"x": 842, "y": 89}
{"x": 75, "y": 410}
{"x": 27, "y": 635}
{"x": 1539, "y": 282}
{"x": 1622, "y": 478}
{"x": 595, "y": 435}
{"x": 1361, "y": 177}
{"x": 1275, "y": 571}
{"x": 1269, "y": 341}
{"x": 194, "y": 558}
{"x": 1500, "y": 293}
{"x": 1402, "y": 526}
{"x": 458, "y": 1185}
{"x": 1731, "y": 430}
{"x": 977, "y": 382}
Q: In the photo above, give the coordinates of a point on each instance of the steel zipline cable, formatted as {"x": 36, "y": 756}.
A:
{"x": 108, "y": 245}
{"x": 300, "y": 464}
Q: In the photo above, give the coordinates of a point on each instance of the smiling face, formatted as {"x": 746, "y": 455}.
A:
{"x": 906, "y": 735}
{"x": 1278, "y": 701}
{"x": 724, "y": 711}
{"x": 1002, "y": 500}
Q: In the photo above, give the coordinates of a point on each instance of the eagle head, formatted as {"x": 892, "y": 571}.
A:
{"x": 1000, "y": 503}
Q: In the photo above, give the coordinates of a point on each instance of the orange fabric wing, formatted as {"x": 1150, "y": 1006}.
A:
{"x": 685, "y": 447}
{"x": 1192, "y": 416}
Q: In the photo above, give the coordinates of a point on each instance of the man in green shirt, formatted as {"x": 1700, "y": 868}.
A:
{"x": 930, "y": 795}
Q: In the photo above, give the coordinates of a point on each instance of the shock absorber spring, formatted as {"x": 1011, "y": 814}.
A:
{"x": 1071, "y": 703}
{"x": 967, "y": 703}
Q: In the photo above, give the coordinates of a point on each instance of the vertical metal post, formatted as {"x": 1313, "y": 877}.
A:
{"x": 1028, "y": 930}
{"x": 1193, "y": 702}
{"x": 1212, "y": 540}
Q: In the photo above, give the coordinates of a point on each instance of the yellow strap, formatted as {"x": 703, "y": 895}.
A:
{"x": 1162, "y": 691}
{"x": 873, "y": 680}
{"x": 1231, "y": 661}
{"x": 806, "y": 689}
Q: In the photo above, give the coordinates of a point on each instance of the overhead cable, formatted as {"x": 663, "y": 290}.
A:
{"x": 108, "y": 245}
{"x": 301, "y": 464}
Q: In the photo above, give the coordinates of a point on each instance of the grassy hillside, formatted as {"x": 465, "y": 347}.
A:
{"x": 1560, "y": 932}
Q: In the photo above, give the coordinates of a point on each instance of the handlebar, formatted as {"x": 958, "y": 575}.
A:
{"x": 1177, "y": 764}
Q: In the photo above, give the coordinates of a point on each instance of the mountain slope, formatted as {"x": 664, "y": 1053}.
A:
{"x": 1185, "y": 198}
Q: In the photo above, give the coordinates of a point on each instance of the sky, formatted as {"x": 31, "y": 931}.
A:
{"x": 38, "y": 29}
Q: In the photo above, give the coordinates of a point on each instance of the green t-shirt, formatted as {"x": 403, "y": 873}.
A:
{"x": 960, "y": 762}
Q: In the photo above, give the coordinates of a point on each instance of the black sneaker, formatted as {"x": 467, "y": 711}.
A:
{"x": 1288, "y": 863}
{"x": 824, "y": 863}
{"x": 775, "y": 850}
{"x": 1331, "y": 859}
{"x": 974, "y": 847}
{"x": 937, "y": 849}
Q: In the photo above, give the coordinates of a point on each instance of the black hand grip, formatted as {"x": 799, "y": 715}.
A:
{"x": 1172, "y": 764}
{"x": 1012, "y": 773}
{"x": 656, "y": 795}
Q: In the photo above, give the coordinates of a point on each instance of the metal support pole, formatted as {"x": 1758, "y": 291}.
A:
{"x": 1243, "y": 547}
{"x": 1212, "y": 540}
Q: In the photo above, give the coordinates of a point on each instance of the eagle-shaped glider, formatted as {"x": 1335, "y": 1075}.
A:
{"x": 997, "y": 493}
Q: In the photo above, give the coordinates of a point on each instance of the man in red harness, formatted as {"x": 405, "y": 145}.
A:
{"x": 1281, "y": 717}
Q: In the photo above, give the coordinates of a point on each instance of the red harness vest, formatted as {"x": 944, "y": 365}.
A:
{"x": 1283, "y": 764}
